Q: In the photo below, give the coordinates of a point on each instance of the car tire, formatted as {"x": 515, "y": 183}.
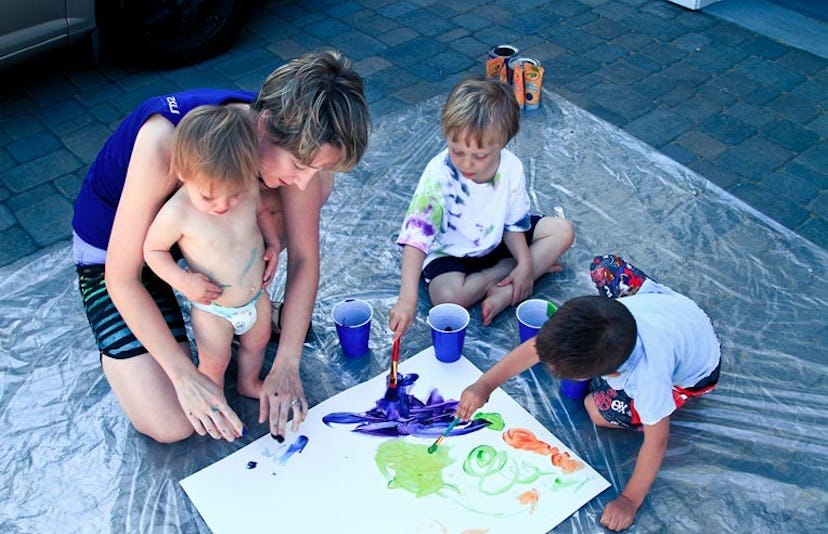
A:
{"x": 170, "y": 33}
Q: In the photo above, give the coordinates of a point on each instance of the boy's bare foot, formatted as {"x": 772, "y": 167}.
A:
{"x": 497, "y": 299}
{"x": 251, "y": 389}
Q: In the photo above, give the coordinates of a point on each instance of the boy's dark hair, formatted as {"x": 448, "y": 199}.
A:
{"x": 587, "y": 337}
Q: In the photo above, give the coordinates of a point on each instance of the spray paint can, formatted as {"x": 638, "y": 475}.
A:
{"x": 502, "y": 54}
{"x": 518, "y": 83}
{"x": 505, "y": 51}
{"x": 526, "y": 60}
{"x": 532, "y": 82}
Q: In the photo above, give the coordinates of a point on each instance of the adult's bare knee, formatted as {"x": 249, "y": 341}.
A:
{"x": 166, "y": 433}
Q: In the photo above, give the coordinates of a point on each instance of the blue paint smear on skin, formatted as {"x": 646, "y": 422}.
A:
{"x": 407, "y": 415}
{"x": 296, "y": 446}
{"x": 251, "y": 464}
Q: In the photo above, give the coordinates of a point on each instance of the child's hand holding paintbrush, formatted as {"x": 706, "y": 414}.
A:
{"x": 477, "y": 394}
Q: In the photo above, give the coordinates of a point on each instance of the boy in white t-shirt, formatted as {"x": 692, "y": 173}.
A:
{"x": 468, "y": 227}
{"x": 652, "y": 349}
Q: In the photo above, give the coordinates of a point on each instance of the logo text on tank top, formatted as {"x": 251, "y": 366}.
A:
{"x": 173, "y": 105}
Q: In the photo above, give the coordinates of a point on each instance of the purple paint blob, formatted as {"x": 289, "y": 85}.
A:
{"x": 296, "y": 446}
{"x": 407, "y": 415}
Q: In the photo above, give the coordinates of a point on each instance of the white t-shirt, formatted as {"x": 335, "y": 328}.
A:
{"x": 451, "y": 215}
{"x": 676, "y": 346}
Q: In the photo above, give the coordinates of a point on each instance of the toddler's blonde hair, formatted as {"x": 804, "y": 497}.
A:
{"x": 215, "y": 146}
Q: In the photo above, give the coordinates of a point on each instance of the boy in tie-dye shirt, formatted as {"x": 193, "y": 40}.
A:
{"x": 468, "y": 229}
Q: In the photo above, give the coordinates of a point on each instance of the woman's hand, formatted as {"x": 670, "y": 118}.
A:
{"x": 199, "y": 288}
{"x": 281, "y": 394}
{"x": 206, "y": 407}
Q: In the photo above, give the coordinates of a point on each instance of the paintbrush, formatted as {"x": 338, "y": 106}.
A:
{"x": 445, "y": 433}
{"x": 391, "y": 393}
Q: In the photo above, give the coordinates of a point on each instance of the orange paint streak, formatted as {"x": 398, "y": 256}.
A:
{"x": 523, "y": 439}
{"x": 567, "y": 464}
{"x": 520, "y": 438}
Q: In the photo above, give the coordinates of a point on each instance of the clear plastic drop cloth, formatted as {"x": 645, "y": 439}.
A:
{"x": 749, "y": 457}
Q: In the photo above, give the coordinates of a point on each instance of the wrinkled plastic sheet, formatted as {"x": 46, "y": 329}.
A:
{"x": 750, "y": 456}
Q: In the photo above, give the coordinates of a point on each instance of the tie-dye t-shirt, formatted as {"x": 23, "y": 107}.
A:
{"x": 453, "y": 216}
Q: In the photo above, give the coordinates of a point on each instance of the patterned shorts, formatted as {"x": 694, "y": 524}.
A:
{"x": 112, "y": 335}
{"x": 614, "y": 277}
{"x": 616, "y": 407}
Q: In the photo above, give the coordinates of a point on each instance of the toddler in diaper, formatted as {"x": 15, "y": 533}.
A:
{"x": 226, "y": 236}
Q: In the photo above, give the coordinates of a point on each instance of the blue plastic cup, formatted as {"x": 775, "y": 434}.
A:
{"x": 575, "y": 389}
{"x": 352, "y": 318}
{"x": 531, "y": 314}
{"x": 448, "y": 324}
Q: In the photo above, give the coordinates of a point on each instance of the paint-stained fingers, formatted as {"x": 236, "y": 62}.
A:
{"x": 273, "y": 417}
{"x": 233, "y": 425}
{"x": 227, "y": 430}
{"x": 278, "y": 416}
{"x": 300, "y": 411}
{"x": 197, "y": 425}
{"x": 265, "y": 404}
{"x": 218, "y": 424}
{"x": 211, "y": 428}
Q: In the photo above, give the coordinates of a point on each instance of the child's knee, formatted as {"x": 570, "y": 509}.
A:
{"x": 561, "y": 229}
{"x": 255, "y": 342}
{"x": 213, "y": 363}
{"x": 594, "y": 415}
{"x": 442, "y": 293}
{"x": 445, "y": 296}
{"x": 566, "y": 230}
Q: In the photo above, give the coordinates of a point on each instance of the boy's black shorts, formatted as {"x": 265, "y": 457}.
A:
{"x": 469, "y": 264}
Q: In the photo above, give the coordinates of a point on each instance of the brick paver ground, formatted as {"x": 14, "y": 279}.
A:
{"x": 746, "y": 112}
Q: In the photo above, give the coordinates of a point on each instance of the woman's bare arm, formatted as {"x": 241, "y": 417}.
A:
{"x": 282, "y": 389}
{"x": 147, "y": 187}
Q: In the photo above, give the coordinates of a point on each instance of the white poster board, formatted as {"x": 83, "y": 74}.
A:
{"x": 475, "y": 482}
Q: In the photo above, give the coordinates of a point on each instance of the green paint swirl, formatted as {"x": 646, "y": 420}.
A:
{"x": 496, "y": 472}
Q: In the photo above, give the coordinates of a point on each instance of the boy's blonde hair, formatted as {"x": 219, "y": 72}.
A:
{"x": 313, "y": 100}
{"x": 215, "y": 146}
{"x": 478, "y": 109}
